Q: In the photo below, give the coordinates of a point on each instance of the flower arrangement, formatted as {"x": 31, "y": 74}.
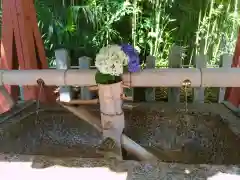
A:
{"x": 113, "y": 60}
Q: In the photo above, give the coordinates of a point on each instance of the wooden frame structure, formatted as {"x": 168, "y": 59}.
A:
{"x": 22, "y": 46}
{"x": 233, "y": 93}
{"x": 171, "y": 77}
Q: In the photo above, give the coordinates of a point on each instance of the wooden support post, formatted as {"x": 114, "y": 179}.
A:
{"x": 175, "y": 61}
{"x": 232, "y": 94}
{"x": 63, "y": 62}
{"x": 112, "y": 115}
{"x": 84, "y": 63}
{"x": 8, "y": 54}
{"x": 200, "y": 62}
{"x": 22, "y": 46}
{"x": 225, "y": 62}
{"x": 29, "y": 45}
{"x": 150, "y": 92}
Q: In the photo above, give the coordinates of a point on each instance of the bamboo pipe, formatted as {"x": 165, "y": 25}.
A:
{"x": 82, "y": 102}
{"x": 127, "y": 143}
{"x": 93, "y": 88}
{"x": 172, "y": 77}
{"x": 90, "y": 101}
{"x": 93, "y": 102}
{"x": 124, "y": 97}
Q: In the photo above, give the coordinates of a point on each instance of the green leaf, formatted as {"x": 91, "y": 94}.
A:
{"x": 106, "y": 78}
{"x": 103, "y": 78}
{"x": 125, "y": 69}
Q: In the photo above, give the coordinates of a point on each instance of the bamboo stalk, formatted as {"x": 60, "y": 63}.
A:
{"x": 112, "y": 116}
{"x": 93, "y": 88}
{"x": 134, "y": 22}
{"x": 82, "y": 102}
{"x": 125, "y": 106}
{"x": 128, "y": 144}
{"x": 204, "y": 77}
{"x": 87, "y": 77}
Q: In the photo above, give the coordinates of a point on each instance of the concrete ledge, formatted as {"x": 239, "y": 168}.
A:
{"x": 29, "y": 167}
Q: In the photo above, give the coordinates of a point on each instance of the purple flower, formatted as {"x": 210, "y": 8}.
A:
{"x": 133, "y": 58}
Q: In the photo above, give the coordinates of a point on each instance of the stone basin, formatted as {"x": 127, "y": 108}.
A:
{"x": 201, "y": 135}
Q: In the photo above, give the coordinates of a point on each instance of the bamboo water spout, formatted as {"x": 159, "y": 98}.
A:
{"x": 128, "y": 144}
{"x": 111, "y": 98}
{"x": 112, "y": 115}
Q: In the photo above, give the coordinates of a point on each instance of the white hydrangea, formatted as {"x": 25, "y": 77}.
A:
{"x": 110, "y": 60}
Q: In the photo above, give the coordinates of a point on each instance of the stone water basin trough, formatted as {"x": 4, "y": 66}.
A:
{"x": 199, "y": 144}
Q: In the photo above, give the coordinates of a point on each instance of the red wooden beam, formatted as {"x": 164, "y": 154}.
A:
{"x": 22, "y": 46}
{"x": 8, "y": 52}
{"x": 233, "y": 94}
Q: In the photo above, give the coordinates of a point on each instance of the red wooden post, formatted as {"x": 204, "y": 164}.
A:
{"x": 8, "y": 52}
{"x": 233, "y": 93}
{"x": 22, "y": 46}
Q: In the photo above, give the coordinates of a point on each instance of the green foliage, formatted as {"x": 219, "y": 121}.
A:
{"x": 152, "y": 26}
{"x": 106, "y": 78}
{"x": 81, "y": 28}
